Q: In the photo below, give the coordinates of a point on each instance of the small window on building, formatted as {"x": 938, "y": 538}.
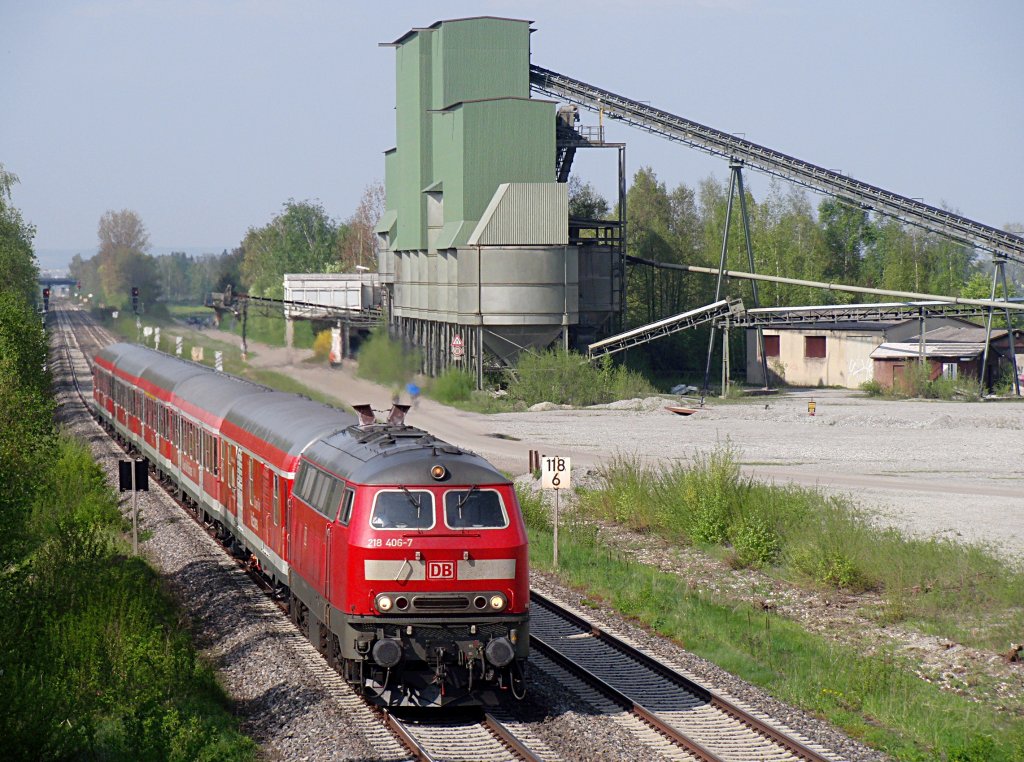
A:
{"x": 814, "y": 346}
{"x": 771, "y": 346}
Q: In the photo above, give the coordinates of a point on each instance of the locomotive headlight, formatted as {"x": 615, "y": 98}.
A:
{"x": 497, "y": 602}
{"x": 438, "y": 472}
{"x": 384, "y": 603}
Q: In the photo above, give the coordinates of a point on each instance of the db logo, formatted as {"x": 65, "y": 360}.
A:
{"x": 440, "y": 570}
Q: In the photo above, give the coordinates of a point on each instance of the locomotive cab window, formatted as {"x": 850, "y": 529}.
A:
{"x": 474, "y": 509}
{"x": 346, "y": 506}
{"x": 403, "y": 509}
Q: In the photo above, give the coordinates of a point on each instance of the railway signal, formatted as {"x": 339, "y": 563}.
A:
{"x": 135, "y": 299}
{"x": 46, "y": 300}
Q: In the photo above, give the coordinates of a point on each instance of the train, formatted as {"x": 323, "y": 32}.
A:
{"x": 402, "y": 557}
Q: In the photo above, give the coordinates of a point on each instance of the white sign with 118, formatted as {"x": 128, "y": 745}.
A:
{"x": 555, "y": 473}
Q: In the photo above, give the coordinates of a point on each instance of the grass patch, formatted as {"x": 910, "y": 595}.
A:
{"x": 874, "y": 698}
{"x": 97, "y": 661}
{"x": 917, "y": 383}
{"x": 811, "y": 538}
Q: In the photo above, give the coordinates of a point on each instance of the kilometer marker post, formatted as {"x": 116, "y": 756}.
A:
{"x": 556, "y": 474}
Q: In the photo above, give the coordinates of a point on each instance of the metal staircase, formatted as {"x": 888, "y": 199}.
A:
{"x": 865, "y": 196}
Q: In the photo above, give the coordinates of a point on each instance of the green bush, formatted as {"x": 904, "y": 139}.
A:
{"x": 873, "y": 388}
{"x": 756, "y": 542}
{"x": 386, "y": 361}
{"x": 535, "y": 514}
{"x": 454, "y": 385}
{"x": 567, "y": 378}
{"x": 322, "y": 346}
{"x": 917, "y": 382}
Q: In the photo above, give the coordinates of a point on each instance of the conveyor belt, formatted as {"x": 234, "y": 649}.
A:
{"x": 868, "y": 197}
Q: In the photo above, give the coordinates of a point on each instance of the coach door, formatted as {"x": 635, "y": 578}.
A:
{"x": 268, "y": 508}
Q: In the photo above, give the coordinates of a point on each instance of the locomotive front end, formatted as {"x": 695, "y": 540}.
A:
{"x": 442, "y": 618}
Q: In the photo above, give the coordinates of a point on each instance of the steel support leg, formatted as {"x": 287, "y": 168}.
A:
{"x": 718, "y": 284}
{"x": 737, "y": 168}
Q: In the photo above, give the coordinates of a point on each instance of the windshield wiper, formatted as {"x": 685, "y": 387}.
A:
{"x": 464, "y": 498}
{"x": 416, "y": 501}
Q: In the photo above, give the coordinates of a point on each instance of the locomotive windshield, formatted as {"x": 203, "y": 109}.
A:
{"x": 408, "y": 509}
{"x": 474, "y": 509}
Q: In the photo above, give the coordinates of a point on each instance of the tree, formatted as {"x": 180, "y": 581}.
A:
{"x": 357, "y": 241}
{"x": 848, "y": 232}
{"x": 585, "y": 203}
{"x": 301, "y": 239}
{"x": 26, "y": 408}
{"x": 788, "y": 243}
{"x": 17, "y": 259}
{"x": 123, "y": 262}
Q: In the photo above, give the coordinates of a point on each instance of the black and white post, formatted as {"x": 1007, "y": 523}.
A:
{"x": 556, "y": 475}
{"x": 134, "y": 475}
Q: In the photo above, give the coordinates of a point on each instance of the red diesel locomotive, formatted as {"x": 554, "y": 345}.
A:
{"x": 404, "y": 558}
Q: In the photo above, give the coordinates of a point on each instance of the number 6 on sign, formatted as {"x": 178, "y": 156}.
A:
{"x": 555, "y": 473}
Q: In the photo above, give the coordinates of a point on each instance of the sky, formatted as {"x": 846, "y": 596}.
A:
{"x": 206, "y": 117}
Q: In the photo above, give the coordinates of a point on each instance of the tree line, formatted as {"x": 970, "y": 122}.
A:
{"x": 302, "y": 237}
{"x": 834, "y": 242}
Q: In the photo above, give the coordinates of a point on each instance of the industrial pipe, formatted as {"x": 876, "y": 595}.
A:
{"x": 836, "y": 286}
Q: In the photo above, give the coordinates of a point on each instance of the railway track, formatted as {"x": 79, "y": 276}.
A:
{"x": 486, "y": 738}
{"x": 700, "y": 723}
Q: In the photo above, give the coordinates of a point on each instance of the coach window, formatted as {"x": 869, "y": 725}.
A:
{"x": 474, "y": 509}
{"x": 346, "y": 506}
{"x": 216, "y": 456}
{"x": 322, "y": 494}
{"x": 304, "y": 482}
{"x": 404, "y": 509}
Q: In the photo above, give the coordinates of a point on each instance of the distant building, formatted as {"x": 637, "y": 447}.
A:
{"x": 830, "y": 353}
{"x": 950, "y": 351}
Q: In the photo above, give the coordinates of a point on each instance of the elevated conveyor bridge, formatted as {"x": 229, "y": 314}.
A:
{"x": 636, "y": 336}
{"x": 868, "y": 197}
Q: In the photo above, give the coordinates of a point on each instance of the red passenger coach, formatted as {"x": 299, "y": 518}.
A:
{"x": 404, "y": 558}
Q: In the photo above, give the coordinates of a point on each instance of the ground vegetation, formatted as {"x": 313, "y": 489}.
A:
{"x": 97, "y": 662}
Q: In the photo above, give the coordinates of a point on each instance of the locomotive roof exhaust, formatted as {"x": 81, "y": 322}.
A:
{"x": 396, "y": 416}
